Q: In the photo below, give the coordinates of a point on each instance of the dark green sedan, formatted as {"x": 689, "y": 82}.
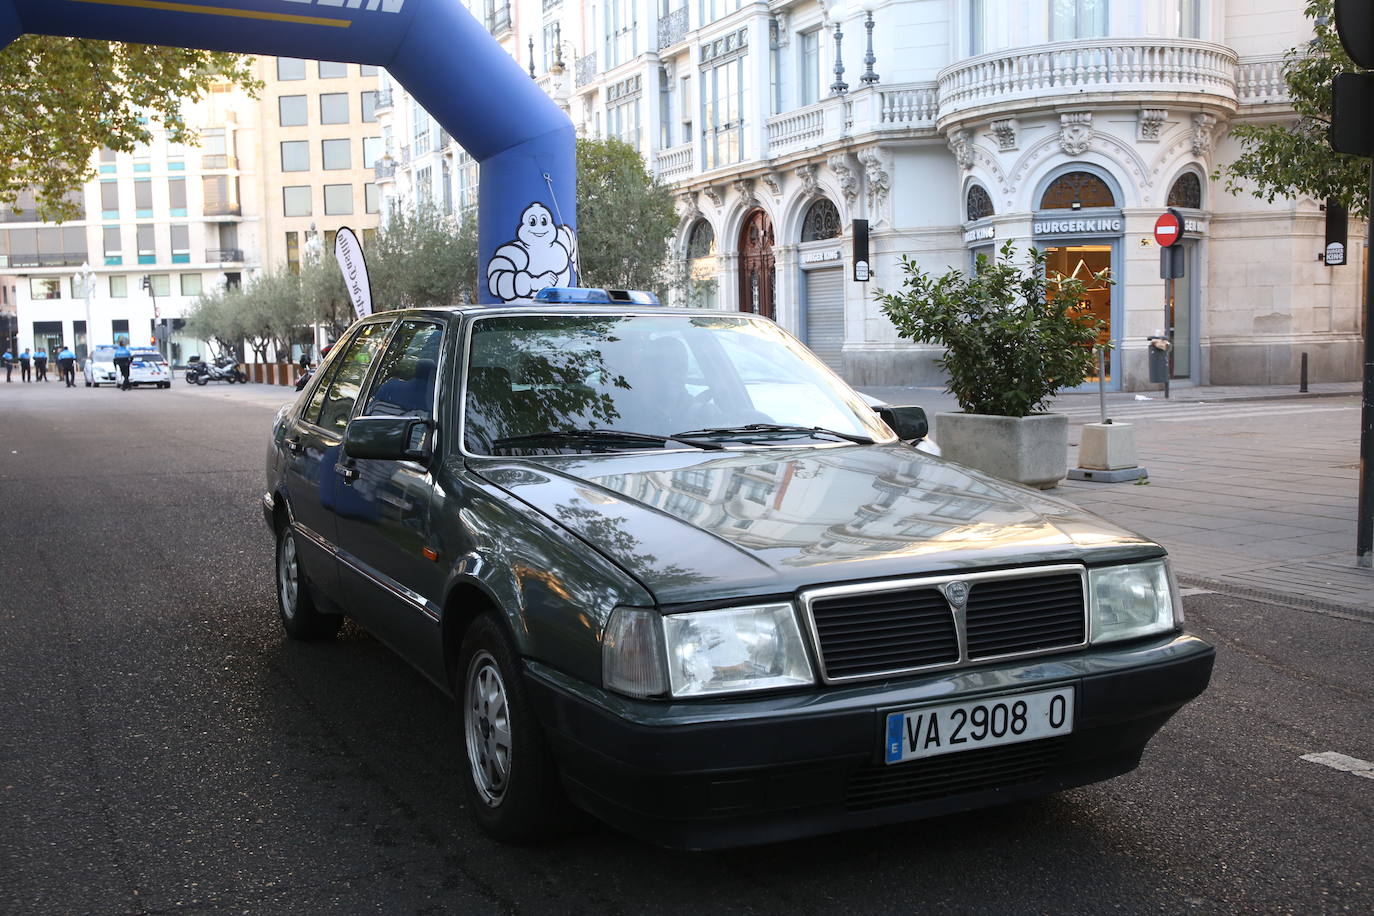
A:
{"x": 677, "y": 574}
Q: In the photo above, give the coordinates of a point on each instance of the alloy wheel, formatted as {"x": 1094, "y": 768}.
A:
{"x": 487, "y": 724}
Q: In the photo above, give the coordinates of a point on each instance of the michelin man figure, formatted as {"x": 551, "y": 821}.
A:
{"x": 542, "y": 254}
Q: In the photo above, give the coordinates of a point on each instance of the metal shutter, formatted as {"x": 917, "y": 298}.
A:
{"x": 825, "y": 314}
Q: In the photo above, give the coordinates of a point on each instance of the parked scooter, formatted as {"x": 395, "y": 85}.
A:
{"x": 223, "y": 369}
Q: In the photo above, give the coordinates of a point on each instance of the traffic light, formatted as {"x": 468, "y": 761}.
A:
{"x": 1355, "y": 26}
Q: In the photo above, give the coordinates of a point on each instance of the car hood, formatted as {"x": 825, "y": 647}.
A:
{"x": 708, "y": 526}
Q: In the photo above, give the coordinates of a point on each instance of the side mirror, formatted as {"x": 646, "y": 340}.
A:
{"x": 390, "y": 438}
{"x": 909, "y": 423}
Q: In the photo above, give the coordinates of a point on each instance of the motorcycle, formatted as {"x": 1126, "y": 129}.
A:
{"x": 223, "y": 369}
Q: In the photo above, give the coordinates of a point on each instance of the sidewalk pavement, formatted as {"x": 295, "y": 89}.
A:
{"x": 1252, "y": 490}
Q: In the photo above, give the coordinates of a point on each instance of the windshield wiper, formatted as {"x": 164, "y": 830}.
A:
{"x": 774, "y": 428}
{"x": 603, "y": 435}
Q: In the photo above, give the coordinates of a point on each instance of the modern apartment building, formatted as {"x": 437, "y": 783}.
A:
{"x": 271, "y": 177}
{"x": 161, "y": 225}
{"x": 950, "y": 126}
{"x": 320, "y": 138}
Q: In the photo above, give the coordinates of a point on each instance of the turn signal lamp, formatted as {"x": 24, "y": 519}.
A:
{"x": 592, "y": 296}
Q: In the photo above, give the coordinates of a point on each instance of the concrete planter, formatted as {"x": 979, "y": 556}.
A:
{"x": 1027, "y": 450}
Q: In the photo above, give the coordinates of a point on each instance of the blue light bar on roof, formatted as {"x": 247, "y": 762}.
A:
{"x": 592, "y": 296}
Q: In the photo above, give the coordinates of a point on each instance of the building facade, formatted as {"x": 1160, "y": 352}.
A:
{"x": 951, "y": 127}
{"x": 271, "y": 180}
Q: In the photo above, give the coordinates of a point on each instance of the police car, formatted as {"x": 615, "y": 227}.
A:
{"x": 147, "y": 367}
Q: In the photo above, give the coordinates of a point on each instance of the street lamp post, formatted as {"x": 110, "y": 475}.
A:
{"x": 869, "y": 78}
{"x": 839, "y": 87}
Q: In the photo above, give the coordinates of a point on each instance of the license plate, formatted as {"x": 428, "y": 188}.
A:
{"x": 933, "y": 730}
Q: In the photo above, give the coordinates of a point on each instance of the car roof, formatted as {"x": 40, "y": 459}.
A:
{"x": 530, "y": 307}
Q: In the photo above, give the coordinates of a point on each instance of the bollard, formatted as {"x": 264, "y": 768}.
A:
{"x": 1302, "y": 376}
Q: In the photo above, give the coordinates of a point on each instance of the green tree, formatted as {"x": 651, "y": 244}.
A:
{"x": 1294, "y": 157}
{"x": 1014, "y": 335}
{"x": 422, "y": 257}
{"x": 625, "y": 219}
{"x": 64, "y": 98}
{"x": 215, "y": 317}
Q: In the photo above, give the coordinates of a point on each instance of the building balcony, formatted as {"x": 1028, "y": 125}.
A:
{"x": 672, "y": 28}
{"x": 1259, "y": 81}
{"x": 585, "y": 70}
{"x": 384, "y": 100}
{"x": 906, "y": 109}
{"x": 384, "y": 169}
{"x": 47, "y": 259}
{"x": 674, "y": 163}
{"x": 403, "y": 155}
{"x": 498, "y": 21}
{"x": 1156, "y": 72}
{"x": 223, "y": 255}
{"x": 218, "y": 161}
{"x": 222, "y": 208}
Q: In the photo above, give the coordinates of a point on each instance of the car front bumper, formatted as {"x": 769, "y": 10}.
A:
{"x": 736, "y": 772}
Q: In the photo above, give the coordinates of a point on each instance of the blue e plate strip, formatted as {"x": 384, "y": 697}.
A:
{"x": 894, "y": 736}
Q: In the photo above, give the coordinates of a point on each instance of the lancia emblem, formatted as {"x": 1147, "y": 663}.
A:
{"x": 956, "y": 593}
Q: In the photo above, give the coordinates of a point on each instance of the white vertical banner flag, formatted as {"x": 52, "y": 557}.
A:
{"x": 349, "y": 253}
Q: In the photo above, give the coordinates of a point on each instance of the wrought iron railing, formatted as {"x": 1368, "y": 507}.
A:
{"x": 223, "y": 255}
{"x": 585, "y": 69}
{"x": 672, "y": 28}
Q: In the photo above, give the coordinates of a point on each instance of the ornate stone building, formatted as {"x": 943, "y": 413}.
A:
{"x": 952, "y": 126}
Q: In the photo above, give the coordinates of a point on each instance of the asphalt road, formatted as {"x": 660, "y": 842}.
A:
{"x": 163, "y": 748}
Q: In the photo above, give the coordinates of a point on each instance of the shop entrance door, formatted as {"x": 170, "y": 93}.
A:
{"x": 756, "y": 265}
{"x": 1181, "y": 315}
{"x": 1081, "y": 262}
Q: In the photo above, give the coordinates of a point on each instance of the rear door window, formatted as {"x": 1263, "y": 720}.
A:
{"x": 338, "y": 398}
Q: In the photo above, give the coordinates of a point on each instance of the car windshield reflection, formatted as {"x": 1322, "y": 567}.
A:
{"x": 537, "y": 383}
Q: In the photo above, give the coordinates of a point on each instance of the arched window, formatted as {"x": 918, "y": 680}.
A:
{"x": 978, "y": 204}
{"x": 822, "y": 222}
{"x": 701, "y": 241}
{"x": 1186, "y": 192}
{"x": 1083, "y": 189}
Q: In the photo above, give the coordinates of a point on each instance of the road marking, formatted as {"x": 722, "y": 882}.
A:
{"x": 1190, "y": 592}
{"x": 1343, "y": 763}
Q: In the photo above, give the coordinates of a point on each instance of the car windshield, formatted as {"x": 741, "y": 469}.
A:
{"x": 103, "y": 354}
{"x": 555, "y": 383}
{"x": 149, "y": 357}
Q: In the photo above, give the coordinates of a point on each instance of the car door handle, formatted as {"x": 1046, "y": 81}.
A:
{"x": 294, "y": 444}
{"x": 347, "y": 471}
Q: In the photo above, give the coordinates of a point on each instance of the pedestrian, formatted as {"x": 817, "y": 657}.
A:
{"x": 122, "y": 357}
{"x": 8, "y": 359}
{"x": 40, "y": 365}
{"x": 25, "y": 360}
{"x": 66, "y": 364}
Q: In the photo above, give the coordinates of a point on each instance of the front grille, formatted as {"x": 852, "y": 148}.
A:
{"x": 1006, "y": 616}
{"x": 884, "y": 631}
{"x": 951, "y": 774}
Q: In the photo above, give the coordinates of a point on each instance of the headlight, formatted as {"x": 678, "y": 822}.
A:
{"x": 1135, "y": 600}
{"x": 735, "y": 649}
{"x": 707, "y": 652}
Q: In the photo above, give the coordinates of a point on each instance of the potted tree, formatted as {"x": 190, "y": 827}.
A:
{"x": 1014, "y": 336}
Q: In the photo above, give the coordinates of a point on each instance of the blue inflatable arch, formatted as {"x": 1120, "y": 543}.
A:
{"x": 527, "y": 201}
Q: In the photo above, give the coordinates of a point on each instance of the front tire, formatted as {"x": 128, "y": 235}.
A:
{"x": 299, "y": 616}
{"x": 202, "y": 380}
{"x": 511, "y": 779}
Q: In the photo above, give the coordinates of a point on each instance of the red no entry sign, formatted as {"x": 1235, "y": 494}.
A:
{"x": 1169, "y": 229}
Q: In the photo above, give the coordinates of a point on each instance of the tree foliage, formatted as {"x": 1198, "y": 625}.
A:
{"x": 1294, "y": 157}
{"x": 423, "y": 257}
{"x": 1013, "y": 335}
{"x": 64, "y": 98}
{"x": 625, "y": 219}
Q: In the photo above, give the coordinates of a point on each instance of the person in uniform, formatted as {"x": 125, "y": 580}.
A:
{"x": 66, "y": 365}
{"x": 122, "y": 357}
{"x": 8, "y": 359}
{"x": 25, "y": 360}
{"x": 40, "y": 365}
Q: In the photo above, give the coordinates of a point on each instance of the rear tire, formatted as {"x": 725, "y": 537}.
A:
{"x": 511, "y": 779}
{"x": 300, "y": 618}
